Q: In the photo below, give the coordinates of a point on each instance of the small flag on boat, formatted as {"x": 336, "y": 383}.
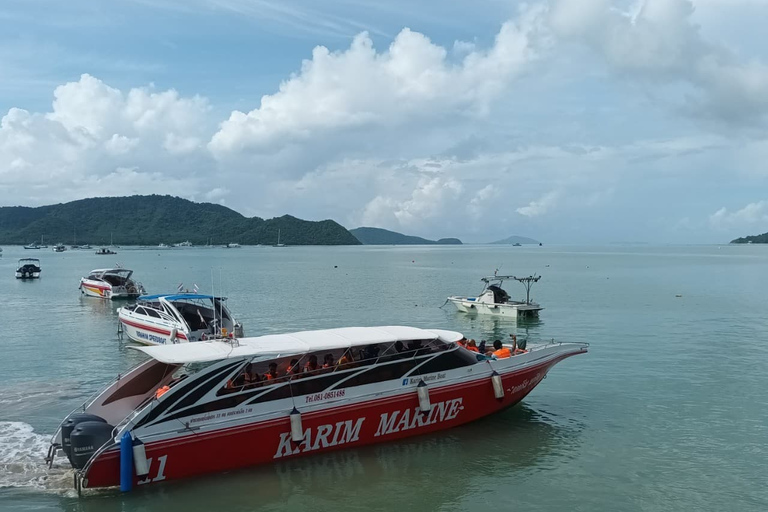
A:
{"x": 196, "y": 288}
{"x": 180, "y": 287}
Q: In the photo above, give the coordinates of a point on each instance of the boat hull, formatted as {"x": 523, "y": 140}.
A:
{"x": 188, "y": 453}
{"x": 101, "y": 290}
{"x": 511, "y": 311}
{"x": 150, "y": 334}
{"x": 27, "y": 275}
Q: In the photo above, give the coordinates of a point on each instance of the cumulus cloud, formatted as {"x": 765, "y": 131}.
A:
{"x": 657, "y": 41}
{"x": 540, "y": 206}
{"x": 360, "y": 86}
{"x": 751, "y": 214}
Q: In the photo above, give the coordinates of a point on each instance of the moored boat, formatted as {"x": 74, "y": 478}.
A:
{"x": 111, "y": 283}
{"x": 59, "y": 247}
{"x": 29, "y": 268}
{"x": 494, "y": 300}
{"x": 177, "y": 318}
{"x": 220, "y": 405}
{"x": 104, "y": 251}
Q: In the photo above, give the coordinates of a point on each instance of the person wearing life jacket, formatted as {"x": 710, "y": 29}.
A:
{"x": 328, "y": 363}
{"x": 294, "y": 369}
{"x": 346, "y": 359}
{"x": 472, "y": 346}
{"x": 462, "y": 342}
{"x": 312, "y": 365}
{"x": 161, "y": 391}
{"x": 272, "y": 373}
{"x": 500, "y": 351}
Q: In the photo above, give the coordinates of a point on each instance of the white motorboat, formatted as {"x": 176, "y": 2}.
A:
{"x": 177, "y": 318}
{"x": 232, "y": 246}
{"x": 216, "y": 406}
{"x": 29, "y": 268}
{"x": 59, "y": 247}
{"x": 111, "y": 283}
{"x": 494, "y": 300}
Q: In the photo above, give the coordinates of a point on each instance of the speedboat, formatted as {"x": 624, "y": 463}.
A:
{"x": 104, "y": 251}
{"x": 494, "y": 300}
{"x": 216, "y": 406}
{"x": 177, "y": 318}
{"x": 29, "y": 268}
{"x": 59, "y": 248}
{"x": 33, "y": 245}
{"x": 111, "y": 283}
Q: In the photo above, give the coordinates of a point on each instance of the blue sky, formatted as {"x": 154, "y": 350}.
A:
{"x": 565, "y": 120}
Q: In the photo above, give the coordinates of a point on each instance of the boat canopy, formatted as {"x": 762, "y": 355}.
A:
{"x": 29, "y": 259}
{"x": 281, "y": 345}
{"x": 496, "y": 278}
{"x": 180, "y": 296}
{"x": 111, "y": 271}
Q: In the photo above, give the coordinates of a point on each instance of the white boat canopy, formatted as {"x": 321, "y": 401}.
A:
{"x": 281, "y": 345}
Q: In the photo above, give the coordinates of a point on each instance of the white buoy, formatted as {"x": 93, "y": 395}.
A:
{"x": 140, "y": 463}
{"x": 498, "y": 386}
{"x": 297, "y": 432}
{"x": 423, "y": 393}
{"x": 173, "y": 335}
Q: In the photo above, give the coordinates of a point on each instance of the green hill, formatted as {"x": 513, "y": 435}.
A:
{"x": 753, "y": 239}
{"x": 151, "y": 220}
{"x": 517, "y": 240}
{"x": 378, "y": 236}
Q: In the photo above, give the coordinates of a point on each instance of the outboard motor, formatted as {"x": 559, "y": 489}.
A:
{"x": 88, "y": 437}
{"x": 69, "y": 425}
{"x": 239, "y": 330}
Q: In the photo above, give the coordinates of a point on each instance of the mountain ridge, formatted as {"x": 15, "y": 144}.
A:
{"x": 515, "y": 239}
{"x": 380, "y": 236}
{"x": 155, "y": 219}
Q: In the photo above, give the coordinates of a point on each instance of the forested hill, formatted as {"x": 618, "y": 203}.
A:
{"x": 753, "y": 239}
{"x": 378, "y": 236}
{"x": 151, "y": 220}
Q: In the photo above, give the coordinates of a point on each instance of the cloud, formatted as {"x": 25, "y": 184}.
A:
{"x": 540, "y": 206}
{"x": 361, "y": 87}
{"x": 751, "y": 214}
{"x": 658, "y": 42}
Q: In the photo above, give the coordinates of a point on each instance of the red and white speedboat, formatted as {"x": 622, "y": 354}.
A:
{"x": 213, "y": 406}
{"x": 111, "y": 283}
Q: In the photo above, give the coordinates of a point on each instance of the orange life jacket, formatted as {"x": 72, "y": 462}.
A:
{"x": 473, "y": 349}
{"x": 503, "y": 353}
{"x": 161, "y": 391}
{"x": 269, "y": 376}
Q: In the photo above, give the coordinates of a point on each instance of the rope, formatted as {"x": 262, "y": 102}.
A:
{"x": 444, "y": 303}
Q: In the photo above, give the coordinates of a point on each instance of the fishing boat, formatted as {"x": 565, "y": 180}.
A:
{"x": 177, "y": 318}
{"x": 104, "y": 251}
{"x": 29, "y": 268}
{"x": 111, "y": 283}
{"x": 494, "y": 300}
{"x": 33, "y": 245}
{"x": 216, "y": 406}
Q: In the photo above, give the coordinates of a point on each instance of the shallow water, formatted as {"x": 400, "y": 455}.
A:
{"x": 668, "y": 411}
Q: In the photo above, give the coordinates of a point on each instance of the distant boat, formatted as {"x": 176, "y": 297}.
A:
{"x": 104, "y": 251}
{"x": 29, "y": 268}
{"x": 163, "y": 246}
{"x": 59, "y": 248}
{"x": 33, "y": 245}
{"x": 517, "y": 245}
{"x": 232, "y": 246}
{"x": 278, "y": 244}
{"x": 183, "y": 244}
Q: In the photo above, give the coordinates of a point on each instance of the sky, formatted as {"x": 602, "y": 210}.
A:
{"x": 569, "y": 121}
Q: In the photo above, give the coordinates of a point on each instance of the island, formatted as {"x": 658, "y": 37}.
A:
{"x": 514, "y": 239}
{"x": 753, "y": 239}
{"x": 156, "y": 219}
{"x": 378, "y": 236}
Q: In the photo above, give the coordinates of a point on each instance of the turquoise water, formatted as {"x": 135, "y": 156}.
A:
{"x": 668, "y": 410}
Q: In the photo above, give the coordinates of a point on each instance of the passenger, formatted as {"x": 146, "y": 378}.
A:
{"x": 472, "y": 346}
{"x": 312, "y": 365}
{"x": 328, "y": 361}
{"x": 399, "y": 346}
{"x": 371, "y": 352}
{"x": 252, "y": 378}
{"x": 481, "y": 347}
{"x": 501, "y": 352}
{"x": 515, "y": 349}
{"x": 294, "y": 369}
{"x": 272, "y": 373}
{"x": 346, "y": 360}
{"x": 462, "y": 342}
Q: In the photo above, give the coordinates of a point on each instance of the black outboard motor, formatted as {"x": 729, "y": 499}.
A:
{"x": 88, "y": 437}
{"x": 69, "y": 425}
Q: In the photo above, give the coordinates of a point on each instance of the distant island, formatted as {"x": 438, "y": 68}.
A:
{"x": 155, "y": 219}
{"x": 517, "y": 240}
{"x": 754, "y": 239}
{"x": 378, "y": 236}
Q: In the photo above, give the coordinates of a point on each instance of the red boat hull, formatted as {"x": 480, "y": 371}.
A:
{"x": 358, "y": 424}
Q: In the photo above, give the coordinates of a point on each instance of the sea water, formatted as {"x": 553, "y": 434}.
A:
{"x": 667, "y": 411}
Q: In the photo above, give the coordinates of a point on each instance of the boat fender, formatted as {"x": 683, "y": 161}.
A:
{"x": 423, "y": 393}
{"x": 498, "y": 386}
{"x": 126, "y": 462}
{"x": 297, "y": 432}
{"x": 173, "y": 335}
{"x": 140, "y": 463}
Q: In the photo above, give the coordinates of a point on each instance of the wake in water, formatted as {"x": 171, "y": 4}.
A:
{"x": 22, "y": 464}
